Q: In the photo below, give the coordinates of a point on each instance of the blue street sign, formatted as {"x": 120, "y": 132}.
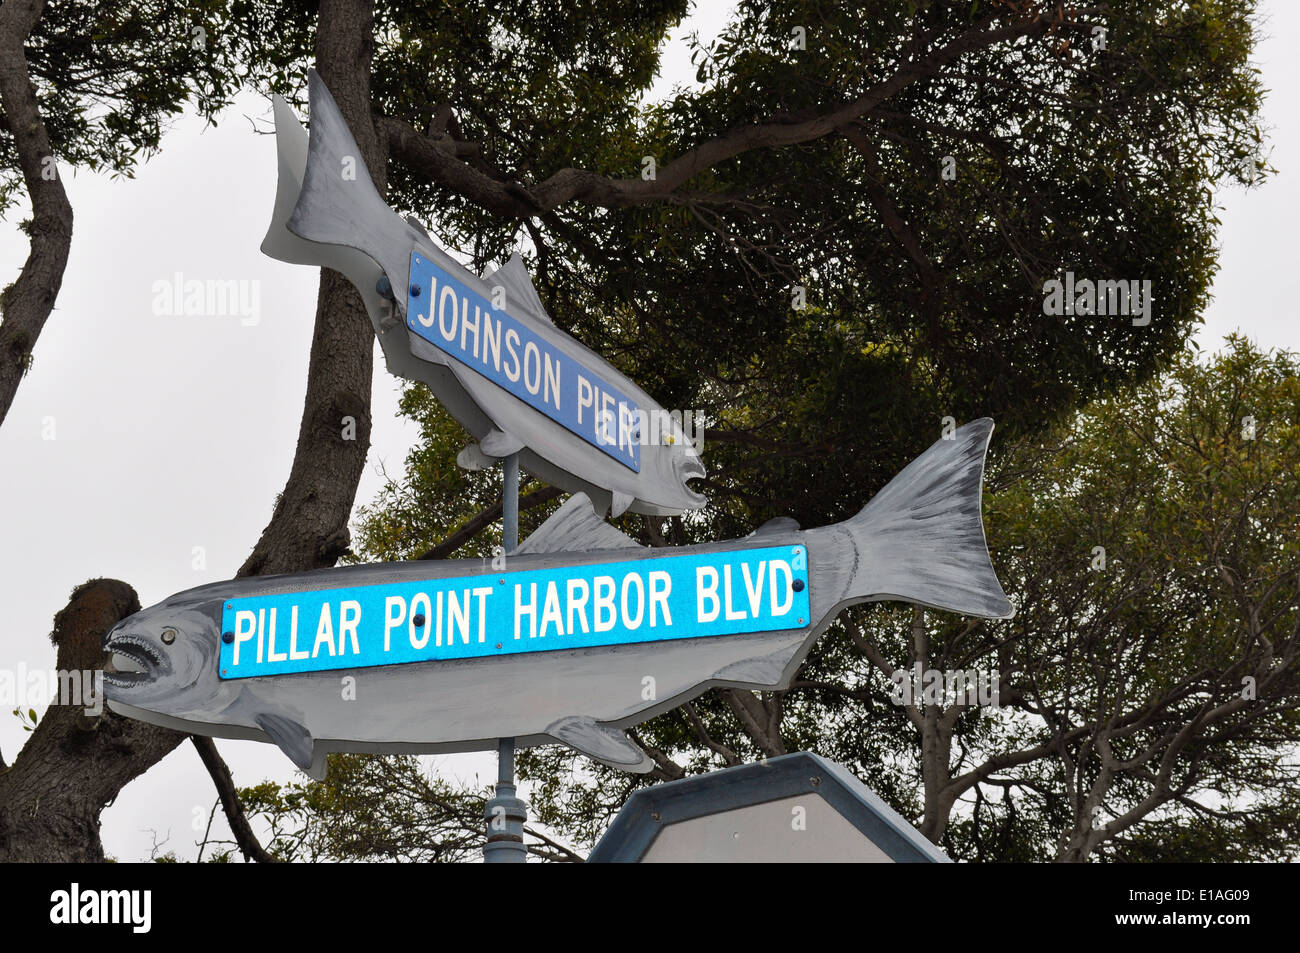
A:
{"x": 507, "y": 351}
{"x": 490, "y": 614}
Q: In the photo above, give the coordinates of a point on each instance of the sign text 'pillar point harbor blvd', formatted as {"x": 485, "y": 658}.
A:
{"x": 594, "y": 604}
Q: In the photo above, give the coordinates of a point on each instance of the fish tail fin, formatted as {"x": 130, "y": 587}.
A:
{"x": 291, "y": 162}
{"x": 327, "y": 209}
{"x": 921, "y": 538}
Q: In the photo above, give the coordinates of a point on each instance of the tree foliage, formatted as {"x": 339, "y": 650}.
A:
{"x": 109, "y": 75}
{"x": 925, "y": 293}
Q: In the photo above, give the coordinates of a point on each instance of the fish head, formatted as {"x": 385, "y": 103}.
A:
{"x": 683, "y": 450}
{"x": 687, "y": 465}
{"x": 164, "y": 658}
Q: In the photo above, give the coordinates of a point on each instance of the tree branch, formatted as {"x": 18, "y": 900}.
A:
{"x": 27, "y": 303}
{"x": 239, "y": 826}
{"x": 558, "y": 853}
{"x": 486, "y": 518}
{"x": 752, "y": 715}
{"x": 309, "y": 527}
{"x": 437, "y": 158}
{"x": 891, "y": 216}
{"x": 718, "y": 747}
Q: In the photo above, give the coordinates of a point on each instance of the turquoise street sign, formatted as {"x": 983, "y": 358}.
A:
{"x": 472, "y": 616}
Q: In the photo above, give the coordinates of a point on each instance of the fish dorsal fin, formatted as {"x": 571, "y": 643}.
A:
{"x": 473, "y": 458}
{"x": 575, "y": 528}
{"x": 777, "y": 526}
{"x": 416, "y": 224}
{"x": 521, "y": 296}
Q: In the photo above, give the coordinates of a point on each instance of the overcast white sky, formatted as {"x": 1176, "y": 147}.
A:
{"x": 175, "y": 432}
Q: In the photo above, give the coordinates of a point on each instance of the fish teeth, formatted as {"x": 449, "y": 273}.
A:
{"x": 122, "y": 644}
{"x": 125, "y": 663}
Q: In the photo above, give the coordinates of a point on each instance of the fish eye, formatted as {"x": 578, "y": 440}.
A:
{"x": 168, "y": 636}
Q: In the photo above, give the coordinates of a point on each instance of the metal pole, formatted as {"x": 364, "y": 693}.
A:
{"x": 510, "y": 505}
{"x": 506, "y": 813}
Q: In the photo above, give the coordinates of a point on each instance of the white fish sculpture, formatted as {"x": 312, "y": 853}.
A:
{"x": 581, "y": 635}
{"x": 485, "y": 347}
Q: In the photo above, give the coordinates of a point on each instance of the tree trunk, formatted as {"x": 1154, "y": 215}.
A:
{"x": 75, "y": 764}
{"x": 309, "y": 528}
{"x": 72, "y": 766}
{"x": 27, "y": 303}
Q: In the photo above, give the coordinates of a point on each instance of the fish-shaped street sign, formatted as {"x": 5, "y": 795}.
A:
{"x": 484, "y": 345}
{"x": 584, "y": 633}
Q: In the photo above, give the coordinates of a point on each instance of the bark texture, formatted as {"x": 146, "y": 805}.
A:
{"x": 309, "y": 526}
{"x": 74, "y": 764}
{"x": 27, "y": 303}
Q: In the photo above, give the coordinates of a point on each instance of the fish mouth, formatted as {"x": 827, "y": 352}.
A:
{"x": 132, "y": 662}
{"x": 690, "y": 468}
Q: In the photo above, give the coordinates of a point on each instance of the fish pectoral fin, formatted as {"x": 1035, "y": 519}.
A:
{"x": 620, "y": 504}
{"x": 472, "y": 458}
{"x": 763, "y": 671}
{"x": 291, "y": 738}
{"x": 498, "y": 443}
{"x": 607, "y": 745}
{"x": 320, "y": 766}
